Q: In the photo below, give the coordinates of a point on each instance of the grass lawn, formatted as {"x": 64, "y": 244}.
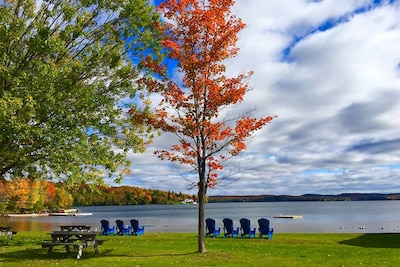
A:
{"x": 175, "y": 249}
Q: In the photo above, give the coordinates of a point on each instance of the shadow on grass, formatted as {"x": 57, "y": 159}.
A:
{"x": 387, "y": 240}
{"x": 41, "y": 254}
{"x": 12, "y": 243}
{"x": 157, "y": 255}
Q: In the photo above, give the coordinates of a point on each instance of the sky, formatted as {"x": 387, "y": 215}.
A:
{"x": 330, "y": 71}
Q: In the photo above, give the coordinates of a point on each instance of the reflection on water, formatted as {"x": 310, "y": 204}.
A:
{"x": 356, "y": 216}
{"x": 27, "y": 225}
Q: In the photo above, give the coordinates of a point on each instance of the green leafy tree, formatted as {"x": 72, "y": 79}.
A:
{"x": 66, "y": 68}
{"x": 63, "y": 198}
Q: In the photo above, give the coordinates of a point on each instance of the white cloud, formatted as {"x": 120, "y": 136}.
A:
{"x": 330, "y": 71}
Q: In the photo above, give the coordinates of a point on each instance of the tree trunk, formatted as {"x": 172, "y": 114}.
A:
{"x": 201, "y": 231}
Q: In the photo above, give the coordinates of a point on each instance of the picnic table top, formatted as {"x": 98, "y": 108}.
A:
{"x": 71, "y": 227}
{"x": 72, "y": 233}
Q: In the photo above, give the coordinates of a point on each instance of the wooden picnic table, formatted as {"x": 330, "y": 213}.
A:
{"x": 77, "y": 239}
{"x": 6, "y": 231}
{"x": 72, "y": 227}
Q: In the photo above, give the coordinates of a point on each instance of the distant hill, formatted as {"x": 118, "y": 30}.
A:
{"x": 306, "y": 197}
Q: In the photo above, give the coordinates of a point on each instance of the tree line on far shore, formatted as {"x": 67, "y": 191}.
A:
{"x": 306, "y": 197}
{"x": 32, "y": 195}
{"x": 125, "y": 195}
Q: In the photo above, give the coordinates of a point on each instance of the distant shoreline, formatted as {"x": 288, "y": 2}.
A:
{"x": 306, "y": 197}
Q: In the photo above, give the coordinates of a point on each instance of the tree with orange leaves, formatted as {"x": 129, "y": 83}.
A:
{"x": 23, "y": 194}
{"x": 199, "y": 36}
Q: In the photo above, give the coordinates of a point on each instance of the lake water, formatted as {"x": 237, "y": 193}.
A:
{"x": 331, "y": 217}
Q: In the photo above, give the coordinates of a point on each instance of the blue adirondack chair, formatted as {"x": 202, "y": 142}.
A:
{"x": 245, "y": 229}
{"x": 229, "y": 230}
{"x": 264, "y": 228}
{"x": 122, "y": 229}
{"x": 135, "y": 229}
{"x": 210, "y": 228}
{"x": 106, "y": 229}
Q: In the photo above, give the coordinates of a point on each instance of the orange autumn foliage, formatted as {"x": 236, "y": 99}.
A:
{"x": 50, "y": 192}
{"x": 24, "y": 193}
{"x": 201, "y": 35}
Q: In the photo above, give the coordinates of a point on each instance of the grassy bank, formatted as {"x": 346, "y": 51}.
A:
{"x": 174, "y": 249}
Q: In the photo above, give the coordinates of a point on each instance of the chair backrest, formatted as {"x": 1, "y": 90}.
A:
{"x": 264, "y": 225}
{"x": 228, "y": 225}
{"x": 120, "y": 224}
{"x": 210, "y": 223}
{"x": 105, "y": 224}
{"x": 245, "y": 224}
{"x": 135, "y": 225}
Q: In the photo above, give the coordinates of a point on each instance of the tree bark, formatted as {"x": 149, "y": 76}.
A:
{"x": 201, "y": 200}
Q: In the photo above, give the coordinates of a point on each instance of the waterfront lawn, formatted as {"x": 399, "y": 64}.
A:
{"x": 175, "y": 249}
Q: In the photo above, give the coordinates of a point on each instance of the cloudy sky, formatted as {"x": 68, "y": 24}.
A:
{"x": 330, "y": 70}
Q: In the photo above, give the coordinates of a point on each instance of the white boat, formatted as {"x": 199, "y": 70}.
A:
{"x": 189, "y": 201}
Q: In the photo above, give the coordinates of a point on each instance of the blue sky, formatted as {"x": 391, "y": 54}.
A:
{"x": 330, "y": 70}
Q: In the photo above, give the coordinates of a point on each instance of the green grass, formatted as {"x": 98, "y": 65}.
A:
{"x": 174, "y": 249}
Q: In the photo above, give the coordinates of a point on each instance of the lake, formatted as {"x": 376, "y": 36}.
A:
{"x": 330, "y": 217}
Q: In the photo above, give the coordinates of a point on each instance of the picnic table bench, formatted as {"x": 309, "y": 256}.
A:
{"x": 6, "y": 231}
{"x": 77, "y": 239}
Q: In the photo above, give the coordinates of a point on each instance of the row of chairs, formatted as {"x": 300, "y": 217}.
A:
{"x": 245, "y": 230}
{"x": 121, "y": 229}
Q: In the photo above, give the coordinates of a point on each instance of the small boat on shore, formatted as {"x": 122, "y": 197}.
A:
{"x": 287, "y": 216}
{"x": 189, "y": 201}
